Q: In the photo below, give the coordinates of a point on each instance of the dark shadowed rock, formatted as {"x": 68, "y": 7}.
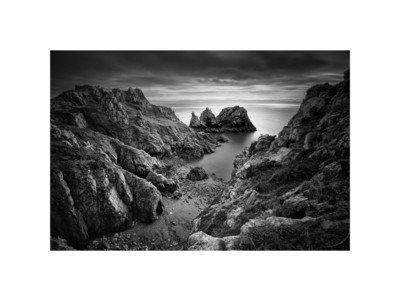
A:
{"x": 194, "y": 121}
{"x": 197, "y": 174}
{"x": 207, "y": 118}
{"x": 231, "y": 119}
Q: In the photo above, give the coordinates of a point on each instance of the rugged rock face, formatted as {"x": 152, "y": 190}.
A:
{"x": 231, "y": 119}
{"x": 104, "y": 149}
{"x": 129, "y": 117}
{"x": 197, "y": 174}
{"x": 290, "y": 191}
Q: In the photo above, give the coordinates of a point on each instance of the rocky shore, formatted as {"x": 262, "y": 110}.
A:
{"x": 108, "y": 153}
{"x": 231, "y": 119}
{"x": 290, "y": 192}
{"x": 122, "y": 178}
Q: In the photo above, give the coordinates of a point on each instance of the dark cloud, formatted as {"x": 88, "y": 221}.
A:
{"x": 194, "y": 75}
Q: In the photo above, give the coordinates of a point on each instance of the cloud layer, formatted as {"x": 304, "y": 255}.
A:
{"x": 176, "y": 78}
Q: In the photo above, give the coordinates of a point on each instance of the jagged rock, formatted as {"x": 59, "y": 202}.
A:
{"x": 197, "y": 174}
{"x": 163, "y": 184}
{"x": 103, "y": 144}
{"x": 231, "y": 119}
{"x": 129, "y": 117}
{"x": 207, "y": 118}
{"x": 194, "y": 121}
{"x": 291, "y": 191}
{"x": 93, "y": 188}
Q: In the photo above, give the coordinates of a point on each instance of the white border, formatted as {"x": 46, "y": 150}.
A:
{"x": 31, "y": 28}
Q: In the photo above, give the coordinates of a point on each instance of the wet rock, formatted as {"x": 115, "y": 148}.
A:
{"x": 197, "y": 174}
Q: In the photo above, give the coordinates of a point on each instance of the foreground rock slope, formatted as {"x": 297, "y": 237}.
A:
{"x": 107, "y": 148}
{"x": 289, "y": 192}
{"x": 231, "y": 119}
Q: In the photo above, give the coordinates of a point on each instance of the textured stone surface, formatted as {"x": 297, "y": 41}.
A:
{"x": 291, "y": 191}
{"x": 106, "y": 147}
{"x": 197, "y": 174}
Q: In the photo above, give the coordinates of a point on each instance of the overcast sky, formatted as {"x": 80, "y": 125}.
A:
{"x": 176, "y": 78}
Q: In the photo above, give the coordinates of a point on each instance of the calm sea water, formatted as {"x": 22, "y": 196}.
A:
{"x": 268, "y": 119}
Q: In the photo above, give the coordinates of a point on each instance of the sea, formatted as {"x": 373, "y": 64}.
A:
{"x": 267, "y": 118}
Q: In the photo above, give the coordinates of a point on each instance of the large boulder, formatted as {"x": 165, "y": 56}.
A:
{"x": 200, "y": 241}
{"x": 197, "y": 174}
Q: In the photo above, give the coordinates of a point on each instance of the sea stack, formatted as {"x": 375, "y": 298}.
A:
{"x": 231, "y": 119}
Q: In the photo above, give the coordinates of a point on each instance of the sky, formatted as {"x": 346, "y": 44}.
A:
{"x": 179, "y": 78}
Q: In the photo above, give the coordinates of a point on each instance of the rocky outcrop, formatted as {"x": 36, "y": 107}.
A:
{"x": 97, "y": 185}
{"x": 194, "y": 121}
{"x": 162, "y": 183}
{"x": 197, "y": 174}
{"x": 129, "y": 117}
{"x": 290, "y": 191}
{"x": 207, "y": 118}
{"x": 231, "y": 119}
{"x": 106, "y": 147}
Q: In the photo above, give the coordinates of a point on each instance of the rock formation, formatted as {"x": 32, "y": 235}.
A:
{"x": 106, "y": 147}
{"x": 197, "y": 174}
{"x": 291, "y": 191}
{"x": 231, "y": 119}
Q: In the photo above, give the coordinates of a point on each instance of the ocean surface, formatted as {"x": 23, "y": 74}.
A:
{"x": 267, "y": 118}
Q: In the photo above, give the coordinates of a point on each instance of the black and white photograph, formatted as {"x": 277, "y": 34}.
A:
{"x": 200, "y": 150}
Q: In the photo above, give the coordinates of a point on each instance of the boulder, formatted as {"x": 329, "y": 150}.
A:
{"x": 197, "y": 174}
{"x": 201, "y": 241}
{"x": 162, "y": 183}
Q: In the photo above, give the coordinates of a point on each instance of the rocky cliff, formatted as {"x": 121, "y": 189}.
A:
{"x": 107, "y": 148}
{"x": 231, "y": 119}
{"x": 292, "y": 191}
